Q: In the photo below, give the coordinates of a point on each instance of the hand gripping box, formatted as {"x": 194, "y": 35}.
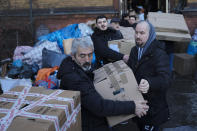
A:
{"x": 116, "y": 81}
{"x": 40, "y": 109}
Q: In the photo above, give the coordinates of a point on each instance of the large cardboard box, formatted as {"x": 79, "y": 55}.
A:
{"x": 127, "y": 32}
{"x": 123, "y": 46}
{"x": 116, "y": 81}
{"x": 169, "y": 26}
{"x": 40, "y": 109}
{"x": 184, "y": 64}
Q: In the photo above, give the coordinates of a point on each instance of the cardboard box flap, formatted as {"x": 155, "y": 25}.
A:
{"x": 108, "y": 69}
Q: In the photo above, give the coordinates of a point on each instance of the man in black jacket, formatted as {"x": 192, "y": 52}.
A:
{"x": 102, "y": 34}
{"x": 150, "y": 65}
{"x": 75, "y": 74}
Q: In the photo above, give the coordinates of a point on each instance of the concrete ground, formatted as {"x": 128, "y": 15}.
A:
{"x": 182, "y": 100}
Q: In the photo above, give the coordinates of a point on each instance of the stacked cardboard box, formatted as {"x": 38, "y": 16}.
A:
{"x": 116, "y": 81}
{"x": 124, "y": 46}
{"x": 38, "y": 109}
{"x": 170, "y": 27}
{"x": 128, "y": 33}
{"x": 184, "y": 64}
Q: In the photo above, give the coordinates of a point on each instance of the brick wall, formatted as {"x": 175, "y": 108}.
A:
{"x": 13, "y": 19}
{"x": 58, "y": 22}
{"x": 11, "y": 25}
{"x": 52, "y": 22}
{"x": 43, "y": 4}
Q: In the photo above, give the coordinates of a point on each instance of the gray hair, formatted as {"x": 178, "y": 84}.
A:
{"x": 84, "y": 42}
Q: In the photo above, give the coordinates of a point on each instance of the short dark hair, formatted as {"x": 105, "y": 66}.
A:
{"x": 125, "y": 15}
{"x": 100, "y": 17}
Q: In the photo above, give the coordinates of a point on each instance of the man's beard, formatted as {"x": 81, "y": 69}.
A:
{"x": 139, "y": 44}
{"x": 86, "y": 66}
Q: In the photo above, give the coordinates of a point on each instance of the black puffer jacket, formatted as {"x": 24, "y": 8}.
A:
{"x": 100, "y": 39}
{"x": 154, "y": 67}
{"x": 94, "y": 107}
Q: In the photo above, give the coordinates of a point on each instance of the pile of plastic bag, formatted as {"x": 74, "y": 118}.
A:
{"x": 71, "y": 31}
{"x": 47, "y": 53}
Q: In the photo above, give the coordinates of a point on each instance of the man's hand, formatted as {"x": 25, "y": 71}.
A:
{"x": 125, "y": 58}
{"x": 144, "y": 86}
{"x": 141, "y": 108}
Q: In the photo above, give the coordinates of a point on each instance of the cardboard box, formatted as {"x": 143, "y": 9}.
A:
{"x": 38, "y": 109}
{"x": 169, "y": 26}
{"x": 127, "y": 32}
{"x": 184, "y": 64}
{"x": 116, "y": 81}
{"x": 123, "y": 46}
{"x": 67, "y": 44}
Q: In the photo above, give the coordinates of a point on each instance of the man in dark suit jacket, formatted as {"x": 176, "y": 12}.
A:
{"x": 150, "y": 65}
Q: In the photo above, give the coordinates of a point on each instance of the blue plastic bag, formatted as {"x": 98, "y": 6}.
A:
{"x": 192, "y": 48}
{"x": 71, "y": 31}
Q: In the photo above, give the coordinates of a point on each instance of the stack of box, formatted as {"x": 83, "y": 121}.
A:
{"x": 184, "y": 64}
{"x": 169, "y": 26}
{"x": 127, "y": 32}
{"x": 116, "y": 81}
{"x": 38, "y": 109}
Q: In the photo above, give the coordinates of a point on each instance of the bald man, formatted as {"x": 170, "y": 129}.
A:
{"x": 150, "y": 65}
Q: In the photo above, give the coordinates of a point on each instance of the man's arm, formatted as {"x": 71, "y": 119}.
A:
{"x": 93, "y": 102}
{"x": 102, "y": 50}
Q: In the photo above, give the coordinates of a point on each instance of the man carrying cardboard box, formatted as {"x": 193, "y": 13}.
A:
{"x": 150, "y": 65}
{"x": 102, "y": 34}
{"x": 76, "y": 74}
